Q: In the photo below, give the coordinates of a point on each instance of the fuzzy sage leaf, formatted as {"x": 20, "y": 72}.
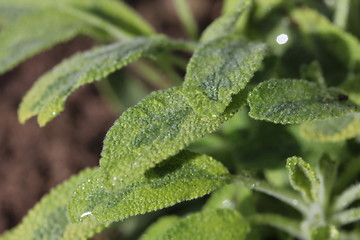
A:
{"x": 47, "y": 97}
{"x": 49, "y": 220}
{"x": 35, "y": 33}
{"x": 212, "y": 224}
{"x": 291, "y": 101}
{"x": 159, "y": 227}
{"x": 218, "y": 70}
{"x": 183, "y": 177}
{"x": 302, "y": 178}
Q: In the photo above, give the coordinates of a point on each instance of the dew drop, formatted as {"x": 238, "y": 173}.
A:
{"x": 282, "y": 39}
{"x": 85, "y": 214}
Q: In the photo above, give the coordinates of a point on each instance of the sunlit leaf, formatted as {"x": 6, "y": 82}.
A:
{"x": 183, "y": 177}
{"x": 47, "y": 97}
{"x": 49, "y": 220}
{"x": 292, "y": 101}
{"x": 212, "y": 224}
{"x": 218, "y": 70}
{"x": 302, "y": 178}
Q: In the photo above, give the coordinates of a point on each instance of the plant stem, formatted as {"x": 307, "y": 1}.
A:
{"x": 341, "y": 13}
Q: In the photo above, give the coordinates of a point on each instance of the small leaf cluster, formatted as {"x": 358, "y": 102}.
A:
{"x": 246, "y": 103}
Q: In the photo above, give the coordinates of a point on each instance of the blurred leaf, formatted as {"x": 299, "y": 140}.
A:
{"x": 334, "y": 129}
{"x": 217, "y": 71}
{"x": 47, "y": 97}
{"x": 226, "y": 23}
{"x": 327, "y": 173}
{"x": 183, "y": 177}
{"x": 352, "y": 88}
{"x": 49, "y": 220}
{"x": 159, "y": 227}
{"x": 212, "y": 224}
{"x": 325, "y": 233}
{"x": 290, "y": 101}
{"x": 347, "y": 216}
{"x": 302, "y": 178}
{"x": 32, "y": 34}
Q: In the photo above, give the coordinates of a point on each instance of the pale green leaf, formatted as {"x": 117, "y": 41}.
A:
{"x": 47, "y": 97}
{"x": 183, "y": 177}
{"x": 291, "y": 101}
{"x": 49, "y": 220}
{"x": 347, "y": 197}
{"x": 35, "y": 33}
{"x": 159, "y": 227}
{"x": 218, "y": 70}
{"x": 325, "y": 233}
{"x": 347, "y": 216}
{"x": 334, "y": 129}
{"x": 277, "y": 221}
{"x": 302, "y": 178}
{"x": 226, "y": 23}
{"x": 212, "y": 224}
{"x": 289, "y": 197}
{"x": 158, "y": 127}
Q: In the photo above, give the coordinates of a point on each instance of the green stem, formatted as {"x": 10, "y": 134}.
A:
{"x": 285, "y": 224}
{"x": 152, "y": 76}
{"x": 187, "y": 18}
{"x": 289, "y": 197}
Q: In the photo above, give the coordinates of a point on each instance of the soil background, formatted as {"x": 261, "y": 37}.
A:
{"x": 34, "y": 159}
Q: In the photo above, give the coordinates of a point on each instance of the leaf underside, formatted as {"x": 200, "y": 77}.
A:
{"x": 291, "y": 101}
{"x": 183, "y": 177}
{"x": 47, "y": 97}
{"x": 49, "y": 220}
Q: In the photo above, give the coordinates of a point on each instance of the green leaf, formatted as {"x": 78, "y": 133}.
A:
{"x": 332, "y": 130}
{"x": 158, "y": 127}
{"x": 325, "y": 233}
{"x": 302, "y": 178}
{"x": 183, "y": 177}
{"x": 213, "y": 224}
{"x": 282, "y": 223}
{"x": 218, "y": 70}
{"x": 225, "y": 24}
{"x": 35, "y": 33}
{"x": 159, "y": 227}
{"x": 347, "y": 197}
{"x": 47, "y": 97}
{"x": 49, "y": 220}
{"x": 291, "y": 101}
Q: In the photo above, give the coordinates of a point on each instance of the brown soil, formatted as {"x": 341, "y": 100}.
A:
{"x": 33, "y": 159}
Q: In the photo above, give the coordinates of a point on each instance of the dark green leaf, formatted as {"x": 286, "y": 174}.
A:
{"x": 292, "y": 101}
{"x": 218, "y": 70}
{"x": 183, "y": 177}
